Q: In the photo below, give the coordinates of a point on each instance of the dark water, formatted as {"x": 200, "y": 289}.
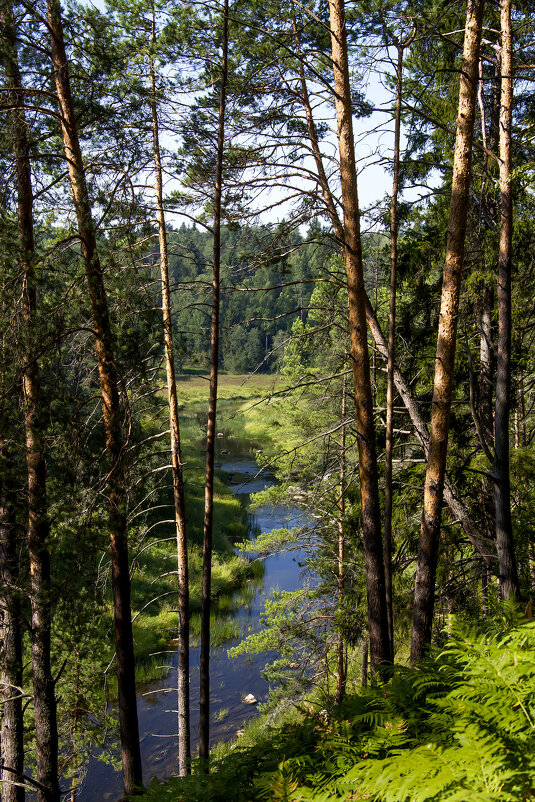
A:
{"x": 231, "y": 678}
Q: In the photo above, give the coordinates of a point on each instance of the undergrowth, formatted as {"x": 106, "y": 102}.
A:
{"x": 460, "y": 727}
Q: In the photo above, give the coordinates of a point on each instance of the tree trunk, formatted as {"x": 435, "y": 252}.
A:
{"x": 340, "y": 646}
{"x": 459, "y": 511}
{"x": 124, "y": 647}
{"x": 12, "y": 747}
{"x": 509, "y": 584}
{"x": 176, "y": 458}
{"x": 486, "y": 362}
{"x": 204, "y": 723}
{"x": 352, "y": 249}
{"x": 46, "y": 734}
{"x": 484, "y": 423}
{"x": 391, "y": 352}
{"x": 424, "y": 590}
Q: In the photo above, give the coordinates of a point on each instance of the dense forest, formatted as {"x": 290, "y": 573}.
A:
{"x": 186, "y": 272}
{"x": 260, "y": 299}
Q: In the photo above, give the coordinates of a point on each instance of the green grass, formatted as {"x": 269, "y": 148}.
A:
{"x": 244, "y": 409}
{"x": 245, "y": 427}
{"x": 221, "y": 714}
{"x": 154, "y": 668}
{"x": 222, "y": 628}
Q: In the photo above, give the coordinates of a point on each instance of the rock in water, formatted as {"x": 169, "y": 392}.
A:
{"x": 250, "y": 699}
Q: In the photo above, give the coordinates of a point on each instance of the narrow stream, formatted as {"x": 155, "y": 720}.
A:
{"x": 231, "y": 678}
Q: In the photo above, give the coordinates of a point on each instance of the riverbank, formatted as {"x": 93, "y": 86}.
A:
{"x": 243, "y": 428}
{"x": 231, "y": 678}
{"x": 458, "y": 727}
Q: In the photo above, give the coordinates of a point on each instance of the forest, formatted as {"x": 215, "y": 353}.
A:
{"x": 264, "y": 260}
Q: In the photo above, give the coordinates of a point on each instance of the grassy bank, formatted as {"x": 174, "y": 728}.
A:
{"x": 244, "y": 427}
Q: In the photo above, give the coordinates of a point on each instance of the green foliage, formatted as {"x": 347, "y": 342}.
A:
{"x": 270, "y": 542}
{"x": 479, "y": 734}
{"x": 279, "y": 786}
{"x": 275, "y": 288}
{"x": 222, "y": 629}
{"x": 283, "y": 626}
{"x": 460, "y": 726}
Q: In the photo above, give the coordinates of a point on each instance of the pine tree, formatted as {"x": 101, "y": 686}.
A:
{"x": 368, "y": 469}
{"x": 109, "y": 386}
{"x": 502, "y": 488}
{"x": 204, "y": 723}
{"x": 34, "y": 424}
{"x": 424, "y": 588}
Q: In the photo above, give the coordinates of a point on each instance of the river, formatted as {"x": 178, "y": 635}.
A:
{"x": 231, "y": 678}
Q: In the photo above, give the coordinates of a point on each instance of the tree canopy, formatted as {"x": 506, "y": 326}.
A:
{"x": 181, "y": 196}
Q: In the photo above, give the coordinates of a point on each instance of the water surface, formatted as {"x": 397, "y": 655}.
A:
{"x": 231, "y": 678}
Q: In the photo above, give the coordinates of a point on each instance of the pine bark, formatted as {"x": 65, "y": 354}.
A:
{"x": 352, "y": 248}
{"x": 204, "y": 721}
{"x": 391, "y": 354}
{"x": 509, "y": 583}
{"x": 46, "y": 734}
{"x": 483, "y": 546}
{"x": 424, "y": 590}
{"x": 109, "y": 386}
{"x": 176, "y": 457}
{"x": 12, "y": 730}
{"x": 486, "y": 361}
{"x": 340, "y": 645}
{"x": 486, "y": 364}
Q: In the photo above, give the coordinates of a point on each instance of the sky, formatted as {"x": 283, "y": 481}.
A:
{"x": 373, "y": 145}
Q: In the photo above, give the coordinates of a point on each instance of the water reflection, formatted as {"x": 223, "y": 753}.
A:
{"x": 231, "y": 678}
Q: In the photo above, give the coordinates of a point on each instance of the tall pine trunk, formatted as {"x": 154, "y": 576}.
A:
{"x": 391, "y": 354}
{"x": 204, "y": 723}
{"x": 176, "y": 457}
{"x": 352, "y": 249}
{"x": 509, "y": 584}
{"x": 486, "y": 362}
{"x": 424, "y": 589}
{"x": 46, "y": 734}
{"x": 12, "y": 730}
{"x": 340, "y": 645}
{"x": 109, "y": 386}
